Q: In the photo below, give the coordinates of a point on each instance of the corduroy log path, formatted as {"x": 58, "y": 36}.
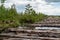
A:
{"x": 29, "y": 34}
{"x": 48, "y": 22}
{"x": 23, "y": 34}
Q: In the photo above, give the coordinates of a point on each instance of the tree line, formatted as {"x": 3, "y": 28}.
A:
{"x": 9, "y": 17}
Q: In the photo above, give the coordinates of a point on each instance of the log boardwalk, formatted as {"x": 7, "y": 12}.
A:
{"x": 41, "y": 34}
{"x": 22, "y": 34}
{"x": 48, "y": 22}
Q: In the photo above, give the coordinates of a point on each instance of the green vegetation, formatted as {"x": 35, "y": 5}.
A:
{"x": 9, "y": 17}
{"x": 30, "y": 15}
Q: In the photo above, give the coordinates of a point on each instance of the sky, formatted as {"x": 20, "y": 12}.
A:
{"x": 49, "y": 7}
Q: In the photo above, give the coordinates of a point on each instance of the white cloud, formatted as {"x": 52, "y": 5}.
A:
{"x": 52, "y": 0}
{"x": 38, "y": 5}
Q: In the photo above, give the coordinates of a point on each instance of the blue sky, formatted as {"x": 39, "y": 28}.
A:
{"x": 49, "y": 7}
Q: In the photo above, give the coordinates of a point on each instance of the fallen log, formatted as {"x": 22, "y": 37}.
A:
{"x": 33, "y": 31}
{"x": 26, "y": 37}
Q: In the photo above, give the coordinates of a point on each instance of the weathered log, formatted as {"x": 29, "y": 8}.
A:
{"x": 43, "y": 25}
{"x": 39, "y": 33}
{"x": 26, "y": 37}
{"x": 33, "y": 31}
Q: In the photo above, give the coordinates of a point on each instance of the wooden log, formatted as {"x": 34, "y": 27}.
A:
{"x": 43, "y": 25}
{"x": 33, "y": 31}
{"x": 26, "y": 37}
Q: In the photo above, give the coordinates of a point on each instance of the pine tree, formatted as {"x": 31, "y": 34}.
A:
{"x": 28, "y": 9}
{"x": 29, "y": 15}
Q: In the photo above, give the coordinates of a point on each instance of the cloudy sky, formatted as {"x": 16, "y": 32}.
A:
{"x": 49, "y": 7}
